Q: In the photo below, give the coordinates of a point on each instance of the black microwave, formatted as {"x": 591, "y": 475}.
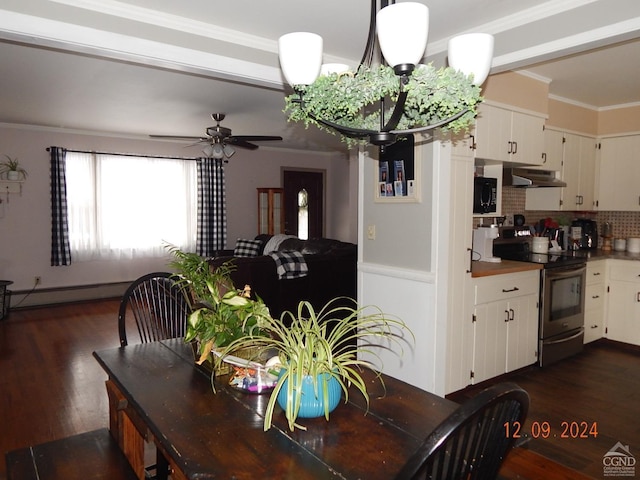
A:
{"x": 485, "y": 192}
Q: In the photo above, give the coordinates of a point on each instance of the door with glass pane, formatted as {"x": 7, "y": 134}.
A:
{"x": 271, "y": 210}
{"x": 304, "y": 203}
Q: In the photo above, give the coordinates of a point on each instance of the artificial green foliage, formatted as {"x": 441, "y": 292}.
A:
{"x": 331, "y": 341}
{"x": 353, "y": 100}
{"x": 222, "y": 313}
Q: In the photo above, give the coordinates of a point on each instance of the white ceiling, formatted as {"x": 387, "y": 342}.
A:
{"x": 139, "y": 67}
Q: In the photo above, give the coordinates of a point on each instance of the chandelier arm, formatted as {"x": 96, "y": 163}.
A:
{"x": 367, "y": 56}
{"x": 432, "y": 126}
{"x": 398, "y": 110}
{"x": 346, "y": 131}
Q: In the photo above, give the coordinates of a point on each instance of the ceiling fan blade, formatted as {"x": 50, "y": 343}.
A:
{"x": 256, "y": 138}
{"x": 179, "y": 137}
{"x": 238, "y": 142}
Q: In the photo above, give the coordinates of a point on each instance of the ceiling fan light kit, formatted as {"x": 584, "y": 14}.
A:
{"x": 378, "y": 104}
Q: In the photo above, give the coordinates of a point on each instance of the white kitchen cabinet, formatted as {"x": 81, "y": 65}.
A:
{"x": 508, "y": 136}
{"x": 619, "y": 175}
{"x": 594, "y": 303}
{"x": 578, "y": 172}
{"x": 623, "y": 303}
{"x": 505, "y": 323}
{"x": 553, "y": 151}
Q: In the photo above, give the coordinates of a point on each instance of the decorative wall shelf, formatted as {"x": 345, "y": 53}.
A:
{"x": 11, "y": 186}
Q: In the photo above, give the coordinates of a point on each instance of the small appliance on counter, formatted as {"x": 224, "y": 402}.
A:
{"x": 483, "y": 237}
{"x": 584, "y": 234}
{"x": 485, "y": 194}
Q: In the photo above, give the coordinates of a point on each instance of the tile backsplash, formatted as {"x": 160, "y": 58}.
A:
{"x": 625, "y": 224}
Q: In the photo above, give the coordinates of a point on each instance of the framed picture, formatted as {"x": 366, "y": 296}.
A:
{"x": 397, "y": 173}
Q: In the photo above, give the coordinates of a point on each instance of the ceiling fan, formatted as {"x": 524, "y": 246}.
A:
{"x": 220, "y": 142}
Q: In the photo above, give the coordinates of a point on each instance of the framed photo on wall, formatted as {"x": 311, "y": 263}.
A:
{"x": 397, "y": 173}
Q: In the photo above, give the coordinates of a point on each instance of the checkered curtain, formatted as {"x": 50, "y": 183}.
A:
{"x": 212, "y": 215}
{"x": 60, "y": 247}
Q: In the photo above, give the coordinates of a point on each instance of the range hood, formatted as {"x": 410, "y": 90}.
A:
{"x": 529, "y": 178}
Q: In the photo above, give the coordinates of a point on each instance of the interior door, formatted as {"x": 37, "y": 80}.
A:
{"x": 311, "y": 182}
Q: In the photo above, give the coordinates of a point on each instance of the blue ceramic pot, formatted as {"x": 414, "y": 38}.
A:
{"x": 310, "y": 405}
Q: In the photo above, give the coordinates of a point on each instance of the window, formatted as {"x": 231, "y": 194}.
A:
{"x": 124, "y": 207}
{"x": 303, "y": 214}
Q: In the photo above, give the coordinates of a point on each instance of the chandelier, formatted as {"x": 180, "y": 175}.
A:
{"x": 381, "y": 103}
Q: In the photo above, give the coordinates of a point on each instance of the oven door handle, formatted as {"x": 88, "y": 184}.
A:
{"x": 566, "y": 339}
{"x": 563, "y": 273}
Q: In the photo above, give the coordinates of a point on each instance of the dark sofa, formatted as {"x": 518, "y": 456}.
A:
{"x": 331, "y": 273}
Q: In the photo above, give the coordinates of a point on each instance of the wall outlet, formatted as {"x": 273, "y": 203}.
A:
{"x": 37, "y": 280}
{"x": 371, "y": 232}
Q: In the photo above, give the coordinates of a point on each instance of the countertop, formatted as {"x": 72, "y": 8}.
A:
{"x": 485, "y": 269}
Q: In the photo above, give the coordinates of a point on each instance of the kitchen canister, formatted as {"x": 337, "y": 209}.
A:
{"x": 620, "y": 244}
{"x": 633, "y": 245}
{"x": 540, "y": 244}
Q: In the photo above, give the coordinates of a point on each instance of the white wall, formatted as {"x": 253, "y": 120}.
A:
{"x": 25, "y": 230}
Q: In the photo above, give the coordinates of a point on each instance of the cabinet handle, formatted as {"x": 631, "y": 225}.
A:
{"x": 510, "y": 147}
{"x": 595, "y": 274}
{"x": 473, "y": 142}
{"x": 595, "y": 296}
{"x": 513, "y": 314}
{"x": 514, "y": 289}
{"x": 638, "y": 297}
{"x": 544, "y": 158}
{"x": 515, "y": 149}
{"x": 594, "y": 326}
{"x": 506, "y": 317}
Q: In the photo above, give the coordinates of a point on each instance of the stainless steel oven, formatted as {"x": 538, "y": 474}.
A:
{"x": 562, "y": 292}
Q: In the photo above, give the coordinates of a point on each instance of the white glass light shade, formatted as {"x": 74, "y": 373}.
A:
{"x": 403, "y": 29}
{"x": 228, "y": 151}
{"x": 300, "y": 57}
{"x": 217, "y": 151}
{"x": 472, "y": 53}
{"x": 329, "y": 68}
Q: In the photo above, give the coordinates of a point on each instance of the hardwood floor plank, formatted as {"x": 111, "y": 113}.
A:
{"x": 601, "y": 385}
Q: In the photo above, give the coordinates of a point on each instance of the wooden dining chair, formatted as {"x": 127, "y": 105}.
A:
{"x": 159, "y": 306}
{"x": 474, "y": 440}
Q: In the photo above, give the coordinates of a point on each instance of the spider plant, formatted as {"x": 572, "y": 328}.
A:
{"x": 12, "y": 165}
{"x": 323, "y": 345}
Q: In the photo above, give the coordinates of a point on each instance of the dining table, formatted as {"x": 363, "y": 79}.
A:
{"x": 158, "y": 395}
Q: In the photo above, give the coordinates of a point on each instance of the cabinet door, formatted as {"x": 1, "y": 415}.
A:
{"x": 490, "y": 340}
{"x": 587, "y": 175}
{"x": 619, "y": 175}
{"x": 527, "y": 135}
{"x": 623, "y": 316}
{"x": 522, "y": 333}
{"x": 553, "y": 151}
{"x": 493, "y": 131}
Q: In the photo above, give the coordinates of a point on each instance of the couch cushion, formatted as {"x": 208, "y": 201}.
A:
{"x": 274, "y": 242}
{"x": 247, "y": 248}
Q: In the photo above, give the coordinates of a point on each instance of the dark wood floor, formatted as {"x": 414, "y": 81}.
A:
{"x": 599, "y": 386}
{"x": 52, "y": 387}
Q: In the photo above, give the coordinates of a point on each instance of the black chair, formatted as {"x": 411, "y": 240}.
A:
{"x": 159, "y": 305}
{"x": 473, "y": 441}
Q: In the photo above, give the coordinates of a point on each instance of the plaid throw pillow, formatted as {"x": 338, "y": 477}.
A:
{"x": 247, "y": 248}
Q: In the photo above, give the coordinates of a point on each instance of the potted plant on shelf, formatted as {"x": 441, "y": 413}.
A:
{"x": 11, "y": 167}
{"x": 320, "y": 355}
{"x": 221, "y": 313}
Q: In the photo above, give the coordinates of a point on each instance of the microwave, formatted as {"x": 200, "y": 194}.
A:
{"x": 485, "y": 192}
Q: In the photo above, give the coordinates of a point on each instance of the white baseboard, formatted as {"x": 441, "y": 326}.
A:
{"x": 79, "y": 293}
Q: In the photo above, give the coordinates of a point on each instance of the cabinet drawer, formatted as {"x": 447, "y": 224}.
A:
{"x": 504, "y": 287}
{"x": 625, "y": 271}
{"x": 595, "y": 272}
{"x": 594, "y": 297}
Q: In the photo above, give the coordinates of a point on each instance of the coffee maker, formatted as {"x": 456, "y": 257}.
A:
{"x": 584, "y": 234}
{"x": 483, "y": 237}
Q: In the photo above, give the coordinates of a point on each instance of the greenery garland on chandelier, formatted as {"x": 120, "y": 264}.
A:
{"x": 352, "y": 99}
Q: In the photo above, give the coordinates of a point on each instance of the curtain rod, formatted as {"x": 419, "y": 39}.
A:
{"x": 128, "y": 154}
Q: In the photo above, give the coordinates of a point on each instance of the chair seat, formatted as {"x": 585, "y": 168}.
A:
{"x": 88, "y": 456}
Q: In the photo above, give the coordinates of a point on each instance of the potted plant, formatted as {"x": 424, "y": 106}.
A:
{"x": 320, "y": 355}
{"x": 11, "y": 167}
{"x": 221, "y": 313}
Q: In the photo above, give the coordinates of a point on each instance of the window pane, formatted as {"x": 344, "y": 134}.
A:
{"x": 303, "y": 214}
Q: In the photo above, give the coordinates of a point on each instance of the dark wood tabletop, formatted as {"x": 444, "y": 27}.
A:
{"x": 221, "y": 435}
